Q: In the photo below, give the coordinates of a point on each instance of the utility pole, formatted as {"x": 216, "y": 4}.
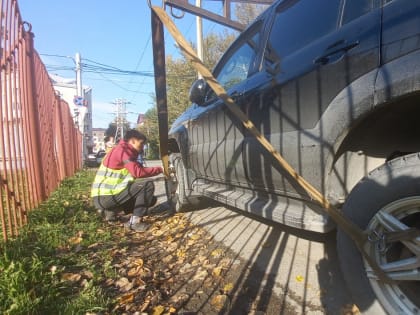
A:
{"x": 80, "y": 94}
{"x": 120, "y": 119}
{"x": 199, "y": 22}
{"x": 79, "y": 86}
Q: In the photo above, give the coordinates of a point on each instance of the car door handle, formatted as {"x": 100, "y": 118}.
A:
{"x": 338, "y": 47}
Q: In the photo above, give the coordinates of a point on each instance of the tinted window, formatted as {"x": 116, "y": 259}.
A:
{"x": 355, "y": 8}
{"x": 298, "y": 23}
{"x": 236, "y": 67}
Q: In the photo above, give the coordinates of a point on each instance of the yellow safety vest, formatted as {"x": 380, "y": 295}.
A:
{"x": 110, "y": 182}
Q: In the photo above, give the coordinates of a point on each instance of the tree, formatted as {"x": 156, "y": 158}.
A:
{"x": 179, "y": 77}
{"x": 181, "y": 74}
{"x": 215, "y": 46}
{"x": 247, "y": 12}
{"x": 112, "y": 128}
{"x": 151, "y": 130}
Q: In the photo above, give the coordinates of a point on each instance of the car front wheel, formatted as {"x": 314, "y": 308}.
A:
{"x": 388, "y": 200}
{"x": 177, "y": 190}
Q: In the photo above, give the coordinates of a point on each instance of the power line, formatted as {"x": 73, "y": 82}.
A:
{"x": 139, "y": 62}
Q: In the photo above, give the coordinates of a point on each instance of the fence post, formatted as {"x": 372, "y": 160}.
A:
{"x": 34, "y": 121}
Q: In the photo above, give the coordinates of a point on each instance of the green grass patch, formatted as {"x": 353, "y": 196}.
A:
{"x": 56, "y": 264}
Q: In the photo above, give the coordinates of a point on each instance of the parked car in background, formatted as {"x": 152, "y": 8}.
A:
{"x": 334, "y": 85}
{"x": 95, "y": 159}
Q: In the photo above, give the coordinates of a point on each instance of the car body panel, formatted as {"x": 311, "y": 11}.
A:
{"x": 305, "y": 100}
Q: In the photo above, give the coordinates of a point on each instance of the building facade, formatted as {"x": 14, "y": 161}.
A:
{"x": 98, "y": 136}
{"x": 80, "y": 107}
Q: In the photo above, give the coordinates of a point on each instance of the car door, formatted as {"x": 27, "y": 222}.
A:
{"x": 401, "y": 28}
{"x": 314, "y": 50}
{"x": 215, "y": 135}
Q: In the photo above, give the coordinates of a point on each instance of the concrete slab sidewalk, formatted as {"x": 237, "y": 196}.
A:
{"x": 300, "y": 267}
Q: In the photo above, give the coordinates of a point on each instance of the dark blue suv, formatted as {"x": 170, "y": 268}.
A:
{"x": 334, "y": 85}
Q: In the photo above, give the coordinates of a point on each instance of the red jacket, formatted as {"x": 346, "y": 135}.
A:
{"x": 123, "y": 155}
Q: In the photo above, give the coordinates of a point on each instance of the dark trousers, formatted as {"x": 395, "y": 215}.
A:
{"x": 135, "y": 198}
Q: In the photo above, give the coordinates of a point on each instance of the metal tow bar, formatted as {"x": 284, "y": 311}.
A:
{"x": 159, "y": 16}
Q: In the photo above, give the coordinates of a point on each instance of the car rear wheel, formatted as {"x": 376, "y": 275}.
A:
{"x": 388, "y": 200}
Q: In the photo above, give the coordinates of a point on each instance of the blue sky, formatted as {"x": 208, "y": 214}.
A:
{"x": 114, "y": 33}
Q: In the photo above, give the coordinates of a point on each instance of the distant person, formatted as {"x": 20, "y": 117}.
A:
{"x": 119, "y": 182}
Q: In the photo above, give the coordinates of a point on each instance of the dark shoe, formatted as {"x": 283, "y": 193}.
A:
{"x": 110, "y": 216}
{"x": 136, "y": 227}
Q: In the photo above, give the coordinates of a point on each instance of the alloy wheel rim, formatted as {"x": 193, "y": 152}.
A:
{"x": 400, "y": 260}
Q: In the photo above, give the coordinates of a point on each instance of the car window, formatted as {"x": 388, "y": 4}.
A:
{"x": 299, "y": 22}
{"x": 355, "y": 8}
{"x": 236, "y": 67}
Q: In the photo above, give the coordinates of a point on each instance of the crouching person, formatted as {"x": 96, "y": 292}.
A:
{"x": 120, "y": 185}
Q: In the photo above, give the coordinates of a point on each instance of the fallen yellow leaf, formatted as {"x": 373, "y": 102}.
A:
{"x": 139, "y": 262}
{"x": 180, "y": 253}
{"x": 157, "y": 233}
{"x": 134, "y": 272}
{"x": 200, "y": 274}
{"x": 350, "y": 309}
{"x": 217, "y": 252}
{"x": 158, "y": 310}
{"x": 72, "y": 277}
{"x": 228, "y": 287}
{"x": 220, "y": 302}
{"x": 195, "y": 237}
{"x": 299, "y": 278}
{"x": 217, "y": 271}
{"x": 126, "y": 298}
{"x": 75, "y": 240}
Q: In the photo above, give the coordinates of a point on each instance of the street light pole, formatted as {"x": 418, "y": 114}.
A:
{"x": 79, "y": 86}
{"x": 80, "y": 93}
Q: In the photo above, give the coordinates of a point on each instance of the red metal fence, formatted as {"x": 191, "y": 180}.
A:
{"x": 39, "y": 143}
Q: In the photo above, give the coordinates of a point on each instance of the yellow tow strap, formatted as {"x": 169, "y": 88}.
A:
{"x": 357, "y": 234}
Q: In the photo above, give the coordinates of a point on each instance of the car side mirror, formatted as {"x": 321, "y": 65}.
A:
{"x": 198, "y": 92}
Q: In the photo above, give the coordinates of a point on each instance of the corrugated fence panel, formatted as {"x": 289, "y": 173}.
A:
{"x": 39, "y": 143}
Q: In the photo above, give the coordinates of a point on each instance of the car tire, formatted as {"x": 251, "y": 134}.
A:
{"x": 179, "y": 199}
{"x": 393, "y": 188}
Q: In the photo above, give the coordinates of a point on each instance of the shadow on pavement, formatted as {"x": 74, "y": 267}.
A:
{"x": 300, "y": 267}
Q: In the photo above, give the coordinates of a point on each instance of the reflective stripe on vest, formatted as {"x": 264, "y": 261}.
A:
{"x": 110, "y": 182}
